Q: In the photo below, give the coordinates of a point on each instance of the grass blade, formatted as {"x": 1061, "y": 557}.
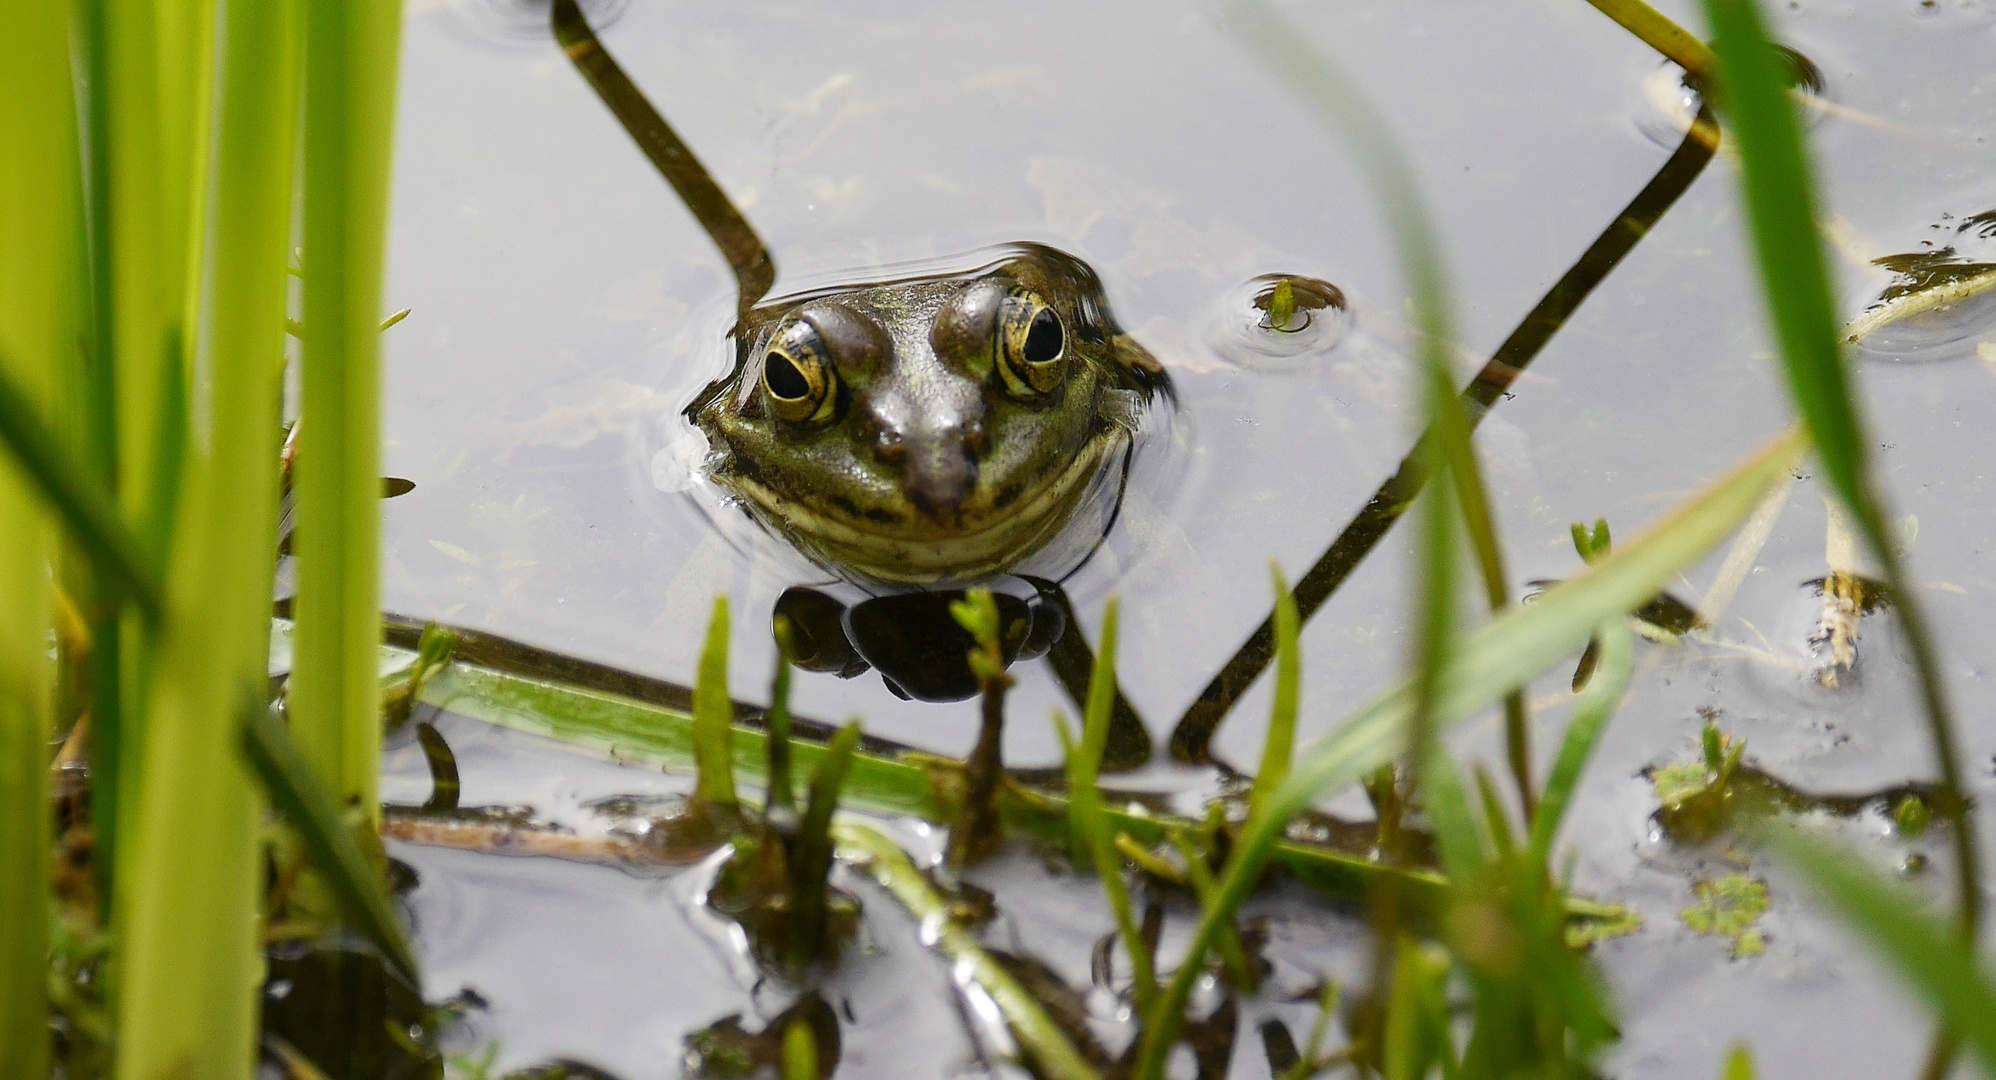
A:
{"x": 1490, "y": 662}
{"x": 189, "y": 878}
{"x": 82, "y": 502}
{"x": 1083, "y": 769}
{"x": 35, "y": 184}
{"x": 1615, "y": 663}
{"x": 1280, "y": 746}
{"x": 298, "y": 794}
{"x": 713, "y": 716}
{"x": 814, "y": 849}
{"x": 1932, "y": 959}
{"x": 350, "y": 71}
{"x": 781, "y": 796}
{"x": 1775, "y": 182}
{"x": 1087, "y": 825}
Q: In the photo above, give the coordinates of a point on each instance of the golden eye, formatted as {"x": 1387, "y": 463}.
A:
{"x": 1032, "y": 346}
{"x": 799, "y": 379}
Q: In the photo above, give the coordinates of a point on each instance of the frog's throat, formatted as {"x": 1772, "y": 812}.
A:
{"x": 1001, "y": 543}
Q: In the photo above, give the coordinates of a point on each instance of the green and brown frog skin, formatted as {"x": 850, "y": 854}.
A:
{"x": 929, "y": 432}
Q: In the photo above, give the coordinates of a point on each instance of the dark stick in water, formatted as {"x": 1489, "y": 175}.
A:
{"x": 754, "y": 271}
{"x": 1192, "y": 738}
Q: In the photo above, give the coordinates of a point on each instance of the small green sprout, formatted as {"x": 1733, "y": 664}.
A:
{"x": 1697, "y": 796}
{"x": 1593, "y": 546}
{"x": 977, "y": 613}
{"x": 433, "y": 653}
{"x": 1282, "y": 305}
{"x": 1912, "y": 816}
{"x": 1729, "y": 907}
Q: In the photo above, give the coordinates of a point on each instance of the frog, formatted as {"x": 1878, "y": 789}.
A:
{"x": 914, "y": 436}
{"x": 934, "y": 431}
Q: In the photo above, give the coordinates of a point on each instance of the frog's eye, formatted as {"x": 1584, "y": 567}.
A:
{"x": 1032, "y": 346}
{"x": 799, "y": 379}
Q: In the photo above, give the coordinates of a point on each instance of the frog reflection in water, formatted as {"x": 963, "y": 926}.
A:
{"x": 914, "y": 436}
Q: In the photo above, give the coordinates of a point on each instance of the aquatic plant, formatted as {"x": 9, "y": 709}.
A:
{"x": 151, "y": 193}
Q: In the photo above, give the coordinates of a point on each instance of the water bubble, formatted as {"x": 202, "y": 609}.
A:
{"x": 524, "y": 22}
{"x": 1671, "y": 98}
{"x": 1282, "y": 317}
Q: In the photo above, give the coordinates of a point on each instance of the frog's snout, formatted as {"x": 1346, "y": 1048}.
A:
{"x": 939, "y": 471}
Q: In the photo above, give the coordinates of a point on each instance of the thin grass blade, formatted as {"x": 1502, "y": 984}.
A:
{"x": 85, "y": 507}
{"x": 1491, "y": 661}
{"x": 297, "y": 793}
{"x": 1280, "y": 746}
{"x": 814, "y": 848}
{"x": 713, "y": 716}
{"x": 1614, "y": 664}
{"x": 1781, "y": 210}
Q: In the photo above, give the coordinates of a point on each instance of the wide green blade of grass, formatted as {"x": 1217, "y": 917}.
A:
{"x": 350, "y": 73}
{"x": 190, "y": 878}
{"x": 35, "y": 190}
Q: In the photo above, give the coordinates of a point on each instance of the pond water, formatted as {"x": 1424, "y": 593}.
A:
{"x": 566, "y": 306}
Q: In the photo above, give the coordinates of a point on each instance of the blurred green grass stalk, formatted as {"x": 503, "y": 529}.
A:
{"x": 350, "y": 73}
{"x": 189, "y": 881}
{"x": 36, "y": 187}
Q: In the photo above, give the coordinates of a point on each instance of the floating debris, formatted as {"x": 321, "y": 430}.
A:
{"x": 1941, "y": 303}
{"x": 1729, "y": 907}
{"x": 1848, "y": 596}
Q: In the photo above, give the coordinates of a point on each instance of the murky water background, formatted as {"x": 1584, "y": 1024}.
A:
{"x": 565, "y": 306}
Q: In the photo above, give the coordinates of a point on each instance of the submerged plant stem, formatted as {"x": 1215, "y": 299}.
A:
{"x": 1038, "y": 1036}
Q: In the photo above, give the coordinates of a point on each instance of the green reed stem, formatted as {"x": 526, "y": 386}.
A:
{"x": 36, "y": 185}
{"x": 190, "y": 870}
{"x": 350, "y": 72}
{"x": 1659, "y": 33}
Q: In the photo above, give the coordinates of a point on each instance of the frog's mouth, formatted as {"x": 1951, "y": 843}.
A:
{"x": 986, "y": 545}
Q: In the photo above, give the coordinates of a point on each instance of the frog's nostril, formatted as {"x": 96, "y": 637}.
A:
{"x": 974, "y": 439}
{"x": 890, "y": 447}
